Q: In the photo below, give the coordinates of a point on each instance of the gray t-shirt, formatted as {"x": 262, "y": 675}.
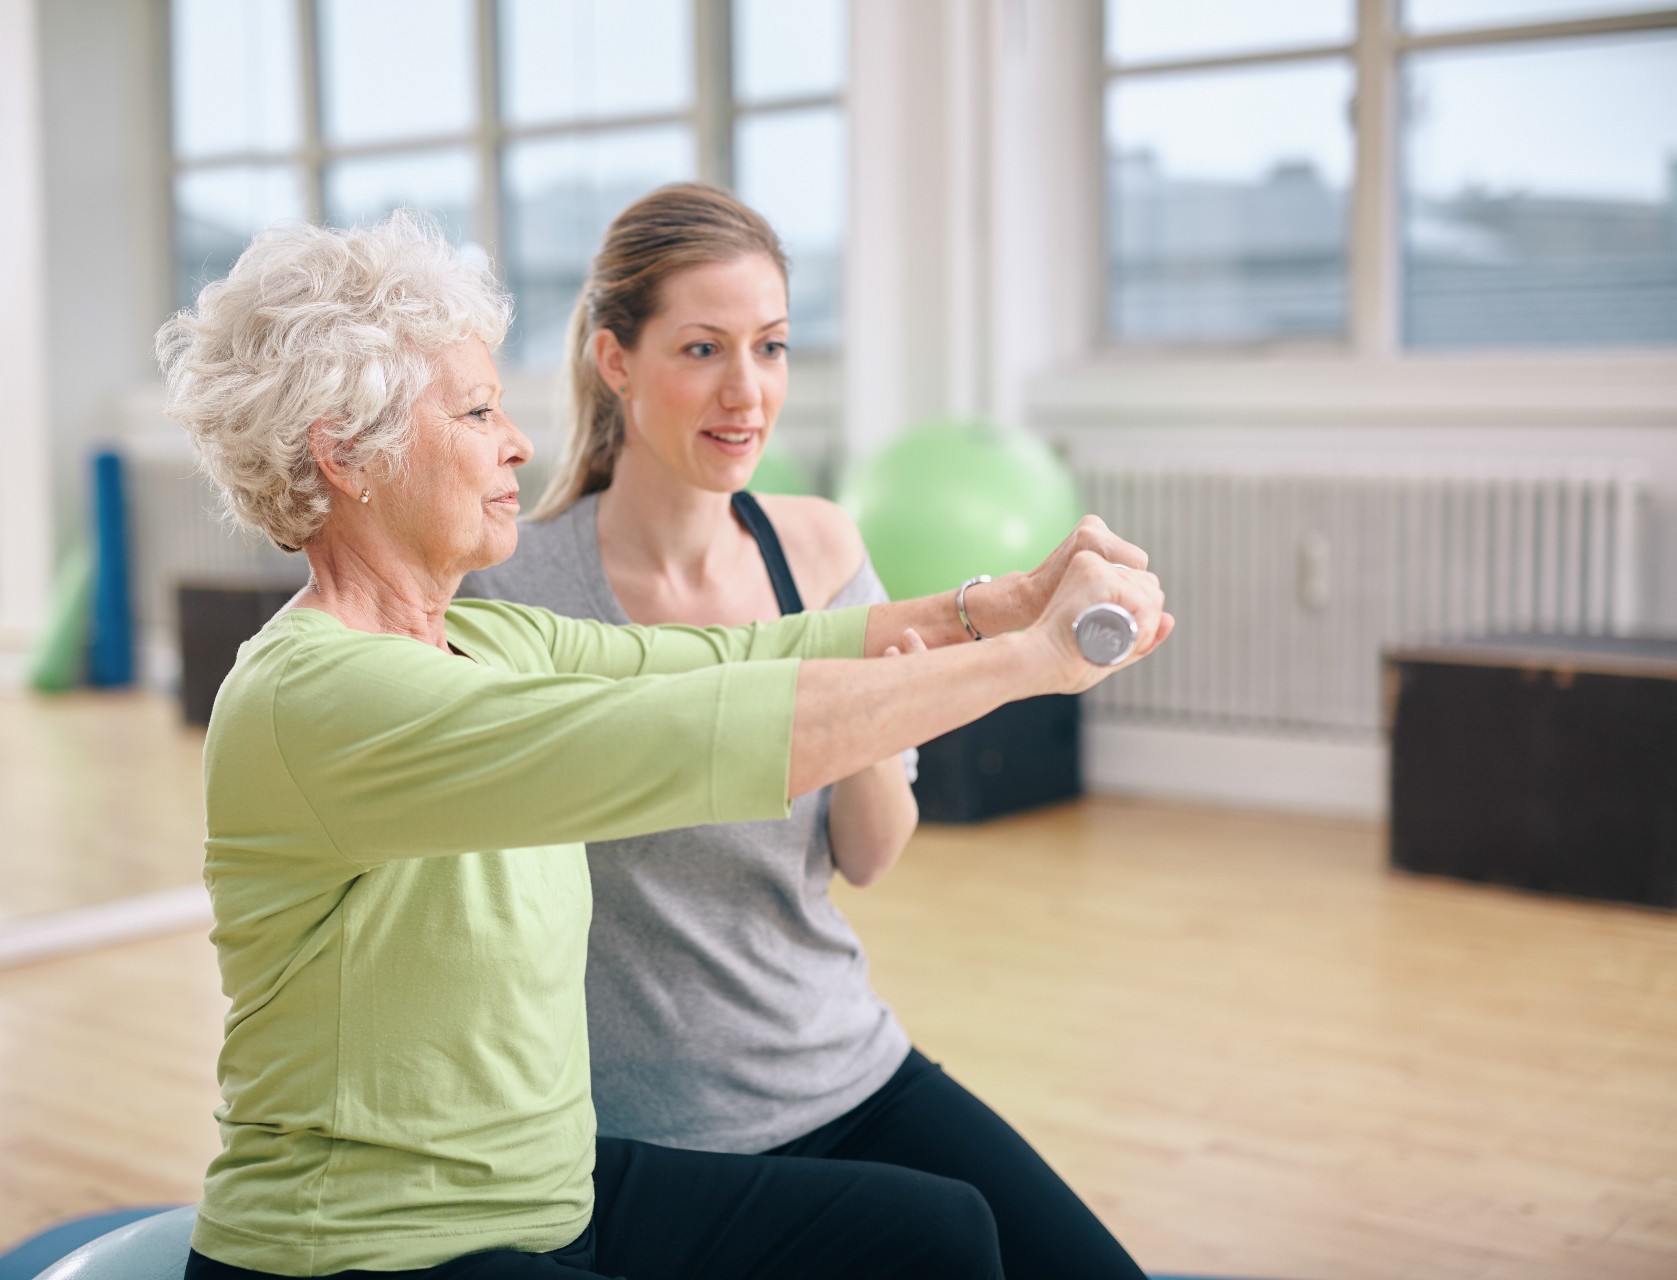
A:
{"x": 728, "y": 999}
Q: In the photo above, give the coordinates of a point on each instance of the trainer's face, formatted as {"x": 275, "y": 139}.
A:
{"x": 706, "y": 381}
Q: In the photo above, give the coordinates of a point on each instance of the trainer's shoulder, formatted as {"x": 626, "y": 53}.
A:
{"x": 822, "y": 543}
{"x": 816, "y": 526}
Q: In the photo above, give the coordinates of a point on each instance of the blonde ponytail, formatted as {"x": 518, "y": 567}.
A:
{"x": 596, "y": 417}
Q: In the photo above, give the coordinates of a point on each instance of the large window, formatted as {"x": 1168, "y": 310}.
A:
{"x": 789, "y": 146}
{"x": 522, "y": 125}
{"x": 1449, "y": 174}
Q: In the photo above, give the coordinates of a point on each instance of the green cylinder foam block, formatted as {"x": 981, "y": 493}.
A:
{"x": 949, "y": 500}
{"x": 57, "y": 663}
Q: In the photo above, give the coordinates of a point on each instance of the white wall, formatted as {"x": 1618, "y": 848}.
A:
{"x": 84, "y": 269}
{"x": 105, "y": 142}
{"x": 25, "y": 477}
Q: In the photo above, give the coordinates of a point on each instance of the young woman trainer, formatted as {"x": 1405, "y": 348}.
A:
{"x": 729, "y": 1007}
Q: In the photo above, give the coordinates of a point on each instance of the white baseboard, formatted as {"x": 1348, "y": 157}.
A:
{"x": 17, "y": 645}
{"x": 1259, "y": 771}
{"x": 156, "y": 662}
{"x": 87, "y": 928}
{"x": 14, "y": 669}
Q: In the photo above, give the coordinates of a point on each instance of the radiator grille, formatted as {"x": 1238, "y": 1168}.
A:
{"x": 1286, "y": 587}
{"x": 176, "y": 535}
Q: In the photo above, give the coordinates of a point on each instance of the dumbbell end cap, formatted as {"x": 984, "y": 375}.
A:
{"x": 1106, "y": 633}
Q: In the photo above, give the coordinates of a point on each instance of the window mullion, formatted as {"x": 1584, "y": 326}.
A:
{"x": 1523, "y": 32}
{"x": 314, "y": 147}
{"x": 1225, "y": 61}
{"x": 802, "y": 102}
{"x": 489, "y": 229}
{"x": 1372, "y": 278}
{"x": 713, "y": 89}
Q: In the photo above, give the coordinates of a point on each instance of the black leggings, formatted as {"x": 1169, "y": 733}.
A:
{"x": 885, "y": 1190}
{"x": 662, "y": 1213}
{"x": 921, "y": 1119}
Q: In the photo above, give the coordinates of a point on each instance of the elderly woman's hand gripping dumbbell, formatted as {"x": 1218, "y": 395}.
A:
{"x": 850, "y": 714}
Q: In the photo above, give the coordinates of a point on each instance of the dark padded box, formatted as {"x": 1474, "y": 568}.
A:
{"x": 1019, "y": 756}
{"x": 1543, "y": 762}
{"x": 215, "y": 619}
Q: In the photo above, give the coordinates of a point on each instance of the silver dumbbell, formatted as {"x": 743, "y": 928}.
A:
{"x": 1105, "y": 633}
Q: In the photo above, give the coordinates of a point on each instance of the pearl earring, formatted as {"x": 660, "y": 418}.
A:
{"x": 366, "y": 495}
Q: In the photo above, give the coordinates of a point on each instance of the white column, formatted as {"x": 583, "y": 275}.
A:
{"x": 26, "y": 473}
{"x": 966, "y": 211}
{"x": 1373, "y": 277}
{"x": 887, "y": 264}
{"x": 1045, "y": 256}
{"x": 915, "y": 296}
{"x": 974, "y": 234}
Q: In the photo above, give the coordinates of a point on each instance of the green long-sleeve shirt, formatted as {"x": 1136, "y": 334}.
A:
{"x": 402, "y": 906}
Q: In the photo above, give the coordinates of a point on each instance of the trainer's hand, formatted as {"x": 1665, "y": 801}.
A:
{"x": 1091, "y": 578}
{"x": 1016, "y": 600}
{"x": 910, "y": 643}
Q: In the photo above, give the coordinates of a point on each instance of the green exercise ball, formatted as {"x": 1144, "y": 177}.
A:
{"x": 949, "y": 500}
{"x": 779, "y": 472}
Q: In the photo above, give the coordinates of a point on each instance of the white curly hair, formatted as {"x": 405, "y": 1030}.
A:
{"x": 319, "y": 325}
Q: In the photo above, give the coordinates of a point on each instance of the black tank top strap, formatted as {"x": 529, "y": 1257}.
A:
{"x": 757, "y": 524}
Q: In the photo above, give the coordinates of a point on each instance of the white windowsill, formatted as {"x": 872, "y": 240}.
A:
{"x": 1292, "y": 389}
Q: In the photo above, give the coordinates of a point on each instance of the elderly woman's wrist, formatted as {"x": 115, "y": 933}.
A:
{"x": 1000, "y": 605}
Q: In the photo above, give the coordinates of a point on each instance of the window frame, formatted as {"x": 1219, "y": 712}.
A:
{"x": 713, "y": 118}
{"x": 1376, "y": 52}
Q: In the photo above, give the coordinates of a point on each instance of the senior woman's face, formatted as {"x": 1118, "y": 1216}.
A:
{"x": 456, "y": 507}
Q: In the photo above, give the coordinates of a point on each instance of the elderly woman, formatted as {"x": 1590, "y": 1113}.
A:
{"x": 397, "y": 791}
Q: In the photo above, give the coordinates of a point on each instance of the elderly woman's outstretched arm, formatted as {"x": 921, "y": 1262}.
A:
{"x": 852, "y": 713}
{"x": 1010, "y": 603}
{"x": 404, "y": 751}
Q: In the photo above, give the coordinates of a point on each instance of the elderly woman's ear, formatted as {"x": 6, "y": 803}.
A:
{"x": 328, "y": 452}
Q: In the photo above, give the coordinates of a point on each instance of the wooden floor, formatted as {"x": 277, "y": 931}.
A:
{"x": 101, "y": 796}
{"x": 1256, "y": 1052}
{"x": 1252, "y": 1049}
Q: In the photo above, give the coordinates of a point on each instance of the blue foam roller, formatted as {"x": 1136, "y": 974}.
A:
{"x": 110, "y": 642}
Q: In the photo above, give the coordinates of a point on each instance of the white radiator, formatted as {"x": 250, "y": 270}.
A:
{"x": 1287, "y": 586}
{"x": 176, "y": 535}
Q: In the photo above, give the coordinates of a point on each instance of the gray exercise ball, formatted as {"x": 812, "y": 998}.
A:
{"x": 153, "y": 1248}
